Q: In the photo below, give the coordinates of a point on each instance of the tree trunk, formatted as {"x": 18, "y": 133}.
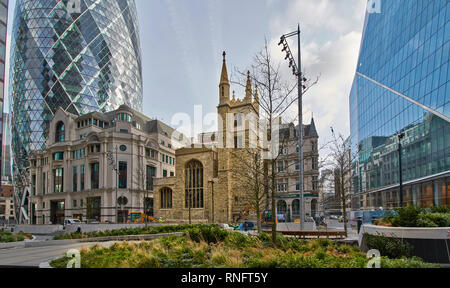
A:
{"x": 274, "y": 215}
{"x": 258, "y": 217}
{"x": 344, "y": 203}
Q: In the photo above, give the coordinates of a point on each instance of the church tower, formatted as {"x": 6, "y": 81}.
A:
{"x": 238, "y": 126}
{"x": 224, "y": 86}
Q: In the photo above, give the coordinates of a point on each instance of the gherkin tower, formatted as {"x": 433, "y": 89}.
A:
{"x": 78, "y": 55}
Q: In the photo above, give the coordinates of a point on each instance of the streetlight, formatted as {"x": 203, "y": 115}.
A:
{"x": 296, "y": 70}
{"x": 114, "y": 166}
{"x": 146, "y": 200}
{"x": 400, "y": 137}
{"x": 212, "y": 198}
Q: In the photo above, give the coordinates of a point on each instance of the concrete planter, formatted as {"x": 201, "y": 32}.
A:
{"x": 39, "y": 229}
{"x": 430, "y": 244}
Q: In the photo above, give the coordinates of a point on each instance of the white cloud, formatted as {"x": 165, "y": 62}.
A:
{"x": 331, "y": 36}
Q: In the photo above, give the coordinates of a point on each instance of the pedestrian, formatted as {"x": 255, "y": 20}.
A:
{"x": 360, "y": 222}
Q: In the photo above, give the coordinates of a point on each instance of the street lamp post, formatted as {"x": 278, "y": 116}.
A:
{"x": 400, "y": 137}
{"x": 212, "y": 199}
{"x": 117, "y": 185}
{"x": 297, "y": 72}
{"x": 114, "y": 166}
{"x": 146, "y": 200}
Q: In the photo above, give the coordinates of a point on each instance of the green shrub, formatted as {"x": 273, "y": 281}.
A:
{"x": 441, "y": 209}
{"x": 407, "y": 217}
{"x": 126, "y": 232}
{"x": 393, "y": 248}
{"x": 433, "y": 220}
{"x": 238, "y": 240}
{"x": 207, "y": 233}
{"x": 418, "y": 217}
{"x": 406, "y": 263}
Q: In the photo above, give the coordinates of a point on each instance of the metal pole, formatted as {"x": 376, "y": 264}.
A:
{"x": 400, "y": 137}
{"x": 300, "y": 136}
{"x": 117, "y": 186}
{"x": 212, "y": 184}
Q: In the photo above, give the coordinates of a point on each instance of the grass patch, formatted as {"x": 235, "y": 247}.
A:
{"x": 7, "y": 237}
{"x": 206, "y": 246}
{"x": 128, "y": 232}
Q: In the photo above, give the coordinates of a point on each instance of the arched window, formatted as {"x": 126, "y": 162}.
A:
{"x": 296, "y": 207}
{"x": 281, "y": 207}
{"x": 166, "y": 198}
{"x": 194, "y": 185}
{"x": 313, "y": 207}
{"x": 60, "y": 133}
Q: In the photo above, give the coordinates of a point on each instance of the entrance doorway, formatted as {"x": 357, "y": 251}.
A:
{"x": 94, "y": 209}
{"x": 123, "y": 216}
{"x": 149, "y": 207}
{"x": 57, "y": 212}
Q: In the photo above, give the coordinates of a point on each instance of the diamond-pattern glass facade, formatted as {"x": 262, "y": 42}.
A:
{"x": 406, "y": 48}
{"x": 3, "y": 119}
{"x": 81, "y": 60}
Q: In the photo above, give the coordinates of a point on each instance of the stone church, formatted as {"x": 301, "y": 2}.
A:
{"x": 204, "y": 189}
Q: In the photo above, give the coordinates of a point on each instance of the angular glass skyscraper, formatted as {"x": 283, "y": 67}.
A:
{"x": 77, "y": 55}
{"x": 3, "y": 30}
{"x": 401, "y": 95}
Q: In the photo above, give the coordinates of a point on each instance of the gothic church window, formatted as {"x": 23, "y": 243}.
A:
{"x": 194, "y": 185}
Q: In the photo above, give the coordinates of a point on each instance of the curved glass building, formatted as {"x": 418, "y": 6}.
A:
{"x": 401, "y": 95}
{"x": 78, "y": 55}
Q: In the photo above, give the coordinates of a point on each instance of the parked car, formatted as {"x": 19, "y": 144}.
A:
{"x": 71, "y": 222}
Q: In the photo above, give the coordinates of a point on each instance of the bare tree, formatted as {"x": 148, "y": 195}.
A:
{"x": 144, "y": 183}
{"x": 338, "y": 178}
{"x": 276, "y": 96}
{"x": 250, "y": 174}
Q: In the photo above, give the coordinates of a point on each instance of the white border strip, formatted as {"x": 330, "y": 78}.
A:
{"x": 406, "y": 97}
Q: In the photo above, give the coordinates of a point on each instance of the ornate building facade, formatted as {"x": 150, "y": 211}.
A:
{"x": 288, "y": 184}
{"x": 87, "y": 157}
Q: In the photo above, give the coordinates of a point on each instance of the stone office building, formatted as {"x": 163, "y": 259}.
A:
{"x": 75, "y": 176}
{"x": 287, "y": 174}
{"x": 6, "y": 204}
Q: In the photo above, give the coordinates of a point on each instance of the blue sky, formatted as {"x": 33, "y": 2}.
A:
{"x": 182, "y": 42}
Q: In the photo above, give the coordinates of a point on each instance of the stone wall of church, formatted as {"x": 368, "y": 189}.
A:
{"x": 179, "y": 213}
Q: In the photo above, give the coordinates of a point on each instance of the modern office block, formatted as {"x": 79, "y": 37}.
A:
{"x": 400, "y": 95}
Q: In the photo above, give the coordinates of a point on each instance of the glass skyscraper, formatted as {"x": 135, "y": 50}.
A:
{"x": 3, "y": 30}
{"x": 401, "y": 94}
{"x": 80, "y": 56}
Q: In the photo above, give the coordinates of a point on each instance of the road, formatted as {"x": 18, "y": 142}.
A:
{"x": 33, "y": 257}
